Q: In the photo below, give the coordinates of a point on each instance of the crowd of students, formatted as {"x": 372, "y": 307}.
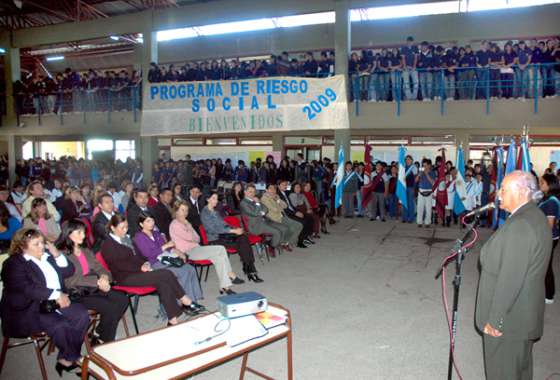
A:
{"x": 73, "y": 91}
{"x": 429, "y": 71}
{"x": 80, "y": 243}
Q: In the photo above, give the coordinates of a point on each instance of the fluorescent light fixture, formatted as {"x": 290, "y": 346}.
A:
{"x": 2, "y": 50}
{"x": 55, "y": 58}
{"x": 486, "y": 5}
{"x": 114, "y": 38}
{"x": 175, "y": 34}
{"x": 236, "y": 27}
{"x": 305, "y": 19}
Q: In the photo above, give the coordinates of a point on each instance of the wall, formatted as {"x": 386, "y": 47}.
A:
{"x": 246, "y": 153}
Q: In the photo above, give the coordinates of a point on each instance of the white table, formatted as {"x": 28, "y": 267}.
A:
{"x": 174, "y": 352}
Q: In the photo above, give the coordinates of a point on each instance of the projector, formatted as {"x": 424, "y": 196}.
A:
{"x": 242, "y": 304}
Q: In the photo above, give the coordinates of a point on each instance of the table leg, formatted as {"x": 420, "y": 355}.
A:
{"x": 243, "y": 367}
{"x": 290, "y": 365}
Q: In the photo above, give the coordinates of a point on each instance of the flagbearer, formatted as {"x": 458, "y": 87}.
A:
{"x": 450, "y": 179}
{"x": 410, "y": 173}
{"x": 379, "y": 190}
{"x": 426, "y": 179}
{"x": 350, "y": 186}
{"x": 406, "y": 199}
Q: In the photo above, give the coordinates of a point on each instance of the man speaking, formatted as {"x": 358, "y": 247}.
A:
{"x": 510, "y": 301}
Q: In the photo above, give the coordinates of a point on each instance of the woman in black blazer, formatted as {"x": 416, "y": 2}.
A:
{"x": 131, "y": 269}
{"x": 91, "y": 282}
{"x": 32, "y": 277}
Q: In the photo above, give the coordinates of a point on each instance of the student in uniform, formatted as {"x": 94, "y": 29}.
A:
{"x": 424, "y": 65}
{"x": 379, "y": 184}
{"x": 350, "y": 181}
{"x": 409, "y": 60}
{"x": 425, "y": 180}
{"x": 451, "y": 177}
{"x": 522, "y": 70}
{"x": 483, "y": 71}
{"x": 496, "y": 63}
{"x": 550, "y": 206}
{"x": 450, "y": 65}
{"x": 510, "y": 60}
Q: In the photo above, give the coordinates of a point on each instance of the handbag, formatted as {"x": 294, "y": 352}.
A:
{"x": 426, "y": 193}
{"x": 228, "y": 237}
{"x": 171, "y": 261}
{"x": 77, "y": 293}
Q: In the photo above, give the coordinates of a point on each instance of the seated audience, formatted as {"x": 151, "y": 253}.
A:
{"x": 73, "y": 205}
{"x": 8, "y": 202}
{"x": 153, "y": 193}
{"x": 196, "y": 204}
{"x": 8, "y": 227}
{"x": 34, "y": 297}
{"x": 100, "y": 220}
{"x": 90, "y": 284}
{"x": 255, "y": 212}
{"x": 276, "y": 213}
{"x": 138, "y": 204}
{"x": 301, "y": 204}
{"x": 129, "y": 269}
{"x": 220, "y": 233}
{"x": 151, "y": 244}
{"x": 40, "y": 219}
{"x": 234, "y": 198}
{"x": 187, "y": 242}
{"x": 36, "y": 190}
{"x": 161, "y": 212}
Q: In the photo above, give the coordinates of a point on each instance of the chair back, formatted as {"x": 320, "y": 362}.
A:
{"x": 102, "y": 261}
{"x": 203, "y": 236}
{"x": 90, "y": 240}
{"x": 233, "y": 221}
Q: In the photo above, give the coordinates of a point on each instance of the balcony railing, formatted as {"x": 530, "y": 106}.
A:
{"x": 465, "y": 83}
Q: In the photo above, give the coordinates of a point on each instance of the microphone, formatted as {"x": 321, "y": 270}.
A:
{"x": 480, "y": 210}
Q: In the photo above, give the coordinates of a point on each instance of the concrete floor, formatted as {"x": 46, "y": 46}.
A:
{"x": 365, "y": 305}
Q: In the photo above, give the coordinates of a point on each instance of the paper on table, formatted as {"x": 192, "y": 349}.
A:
{"x": 244, "y": 329}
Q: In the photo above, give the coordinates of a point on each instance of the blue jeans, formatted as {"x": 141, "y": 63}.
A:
{"x": 426, "y": 84}
{"x": 395, "y": 85}
{"x": 482, "y": 86}
{"x": 409, "y": 213}
{"x": 373, "y": 87}
{"x": 410, "y": 91}
{"x": 450, "y": 86}
{"x": 437, "y": 88}
{"x": 383, "y": 80}
{"x": 522, "y": 82}
{"x": 392, "y": 205}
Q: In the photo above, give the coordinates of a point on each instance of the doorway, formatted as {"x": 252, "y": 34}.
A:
{"x": 310, "y": 152}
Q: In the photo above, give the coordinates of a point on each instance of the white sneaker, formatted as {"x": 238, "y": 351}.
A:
{"x": 548, "y": 301}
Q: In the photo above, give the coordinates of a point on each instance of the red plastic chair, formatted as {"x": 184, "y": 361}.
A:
{"x": 131, "y": 291}
{"x": 258, "y": 241}
{"x": 232, "y": 221}
{"x": 90, "y": 240}
{"x": 204, "y": 240}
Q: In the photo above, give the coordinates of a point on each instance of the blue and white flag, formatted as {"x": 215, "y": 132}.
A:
{"x": 401, "y": 179}
{"x": 339, "y": 179}
{"x": 525, "y": 158}
{"x": 499, "y": 178}
{"x": 460, "y": 187}
{"x": 511, "y": 165}
{"x": 511, "y": 162}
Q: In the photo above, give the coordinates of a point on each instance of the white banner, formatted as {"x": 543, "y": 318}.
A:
{"x": 251, "y": 105}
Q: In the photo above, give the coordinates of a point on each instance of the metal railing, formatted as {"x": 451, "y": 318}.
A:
{"x": 465, "y": 83}
{"x": 79, "y": 101}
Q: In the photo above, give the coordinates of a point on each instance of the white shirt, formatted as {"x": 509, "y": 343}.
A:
{"x": 108, "y": 216}
{"x": 51, "y": 276}
{"x": 195, "y": 202}
{"x": 18, "y": 198}
{"x": 13, "y": 211}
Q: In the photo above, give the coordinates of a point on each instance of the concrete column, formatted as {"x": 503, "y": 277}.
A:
{"x": 12, "y": 73}
{"x": 342, "y": 38}
{"x": 277, "y": 143}
{"x": 149, "y": 53}
{"x": 14, "y": 154}
{"x": 342, "y": 139}
{"x": 463, "y": 138}
{"x": 149, "y": 155}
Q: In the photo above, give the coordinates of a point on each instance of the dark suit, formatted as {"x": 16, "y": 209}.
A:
{"x": 511, "y": 292}
{"x": 258, "y": 225}
{"x": 194, "y": 211}
{"x": 132, "y": 214}
{"x": 125, "y": 266}
{"x": 307, "y": 220}
{"x": 100, "y": 233}
{"x": 162, "y": 217}
{"x": 24, "y": 288}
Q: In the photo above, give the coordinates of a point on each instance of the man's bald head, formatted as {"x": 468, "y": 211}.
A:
{"x": 517, "y": 188}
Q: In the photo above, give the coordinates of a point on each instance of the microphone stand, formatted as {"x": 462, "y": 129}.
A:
{"x": 461, "y": 252}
